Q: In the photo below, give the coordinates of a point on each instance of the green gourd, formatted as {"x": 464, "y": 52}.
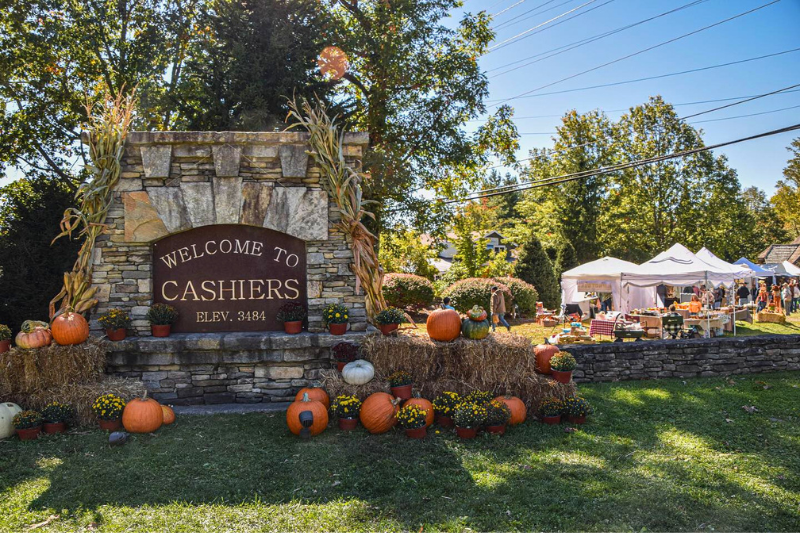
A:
{"x": 472, "y": 329}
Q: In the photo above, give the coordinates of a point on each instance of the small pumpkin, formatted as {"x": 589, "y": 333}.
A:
{"x": 474, "y": 330}
{"x": 314, "y": 393}
{"x": 142, "y": 415}
{"x": 379, "y": 412}
{"x": 477, "y": 313}
{"x": 543, "y": 353}
{"x": 69, "y": 328}
{"x": 33, "y": 334}
{"x": 444, "y": 325}
{"x": 169, "y": 414}
{"x": 518, "y": 410}
{"x": 7, "y": 412}
{"x": 305, "y": 403}
{"x": 358, "y": 372}
{"x": 423, "y": 404}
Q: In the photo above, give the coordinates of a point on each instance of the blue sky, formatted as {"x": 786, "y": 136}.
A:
{"x": 769, "y": 30}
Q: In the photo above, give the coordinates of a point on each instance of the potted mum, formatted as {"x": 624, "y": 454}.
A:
{"x": 400, "y": 383}
{"x": 344, "y": 352}
{"x": 108, "y": 410}
{"x": 561, "y": 365}
{"x": 161, "y": 318}
{"x": 468, "y": 417}
{"x": 497, "y": 416}
{"x": 550, "y": 411}
{"x": 292, "y": 315}
{"x": 116, "y": 323}
{"x": 28, "y": 425}
{"x": 412, "y": 419}
{"x": 335, "y": 317}
{"x": 479, "y": 396}
{"x": 347, "y": 408}
{"x": 444, "y": 407}
{"x": 55, "y": 416}
{"x": 5, "y": 338}
{"x": 577, "y": 408}
{"x": 389, "y": 319}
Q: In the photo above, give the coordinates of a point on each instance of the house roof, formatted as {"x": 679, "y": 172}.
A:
{"x": 778, "y": 253}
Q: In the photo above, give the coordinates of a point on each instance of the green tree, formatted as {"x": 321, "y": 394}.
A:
{"x": 787, "y": 198}
{"x": 404, "y": 250}
{"x": 566, "y": 259}
{"x": 535, "y": 267}
{"x": 765, "y": 226}
{"x": 471, "y": 250}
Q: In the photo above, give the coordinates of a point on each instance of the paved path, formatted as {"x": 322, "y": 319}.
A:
{"x": 231, "y": 408}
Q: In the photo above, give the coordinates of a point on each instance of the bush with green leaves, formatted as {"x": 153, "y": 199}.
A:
{"x": 407, "y": 291}
{"x": 535, "y": 267}
{"x": 475, "y": 291}
{"x": 390, "y": 315}
{"x": 162, "y": 315}
{"x": 525, "y": 295}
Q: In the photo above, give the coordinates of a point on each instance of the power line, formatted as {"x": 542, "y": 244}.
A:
{"x": 642, "y": 51}
{"x": 744, "y": 116}
{"x": 512, "y": 6}
{"x": 748, "y": 99}
{"x": 522, "y": 16}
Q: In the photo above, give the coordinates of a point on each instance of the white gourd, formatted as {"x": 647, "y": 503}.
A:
{"x": 358, "y": 372}
{"x": 7, "y": 412}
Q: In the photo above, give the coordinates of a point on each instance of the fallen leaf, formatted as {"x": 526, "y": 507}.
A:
{"x": 729, "y": 420}
{"x": 750, "y": 408}
{"x": 45, "y": 523}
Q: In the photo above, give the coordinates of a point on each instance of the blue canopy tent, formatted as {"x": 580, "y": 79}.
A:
{"x": 757, "y": 269}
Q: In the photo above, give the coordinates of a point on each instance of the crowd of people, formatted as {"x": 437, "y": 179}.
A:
{"x": 783, "y": 297}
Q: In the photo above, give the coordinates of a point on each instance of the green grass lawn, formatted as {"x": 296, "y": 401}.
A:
{"x": 657, "y": 455}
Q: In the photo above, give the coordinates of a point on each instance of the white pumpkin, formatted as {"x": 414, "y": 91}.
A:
{"x": 358, "y": 372}
{"x": 7, "y": 412}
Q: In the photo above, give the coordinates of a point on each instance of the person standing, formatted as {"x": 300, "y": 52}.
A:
{"x": 498, "y": 307}
{"x": 708, "y": 298}
{"x": 763, "y": 297}
{"x": 795, "y": 296}
{"x": 743, "y": 293}
{"x": 786, "y": 295}
{"x": 776, "y": 298}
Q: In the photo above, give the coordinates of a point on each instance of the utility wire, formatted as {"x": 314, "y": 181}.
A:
{"x": 642, "y": 51}
{"x": 744, "y": 116}
{"x": 512, "y": 6}
{"x": 750, "y": 99}
{"x": 522, "y": 16}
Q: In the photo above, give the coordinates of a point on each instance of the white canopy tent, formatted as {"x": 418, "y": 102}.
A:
{"x": 679, "y": 266}
{"x": 791, "y": 269}
{"x": 601, "y": 276}
{"x": 736, "y": 271}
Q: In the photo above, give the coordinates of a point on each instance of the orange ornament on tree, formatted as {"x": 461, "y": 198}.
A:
{"x": 444, "y": 325}
{"x": 518, "y": 410}
{"x": 379, "y": 412}
{"x": 314, "y": 393}
{"x": 69, "y": 328}
{"x": 423, "y": 404}
{"x": 142, "y": 415}
{"x": 318, "y": 411}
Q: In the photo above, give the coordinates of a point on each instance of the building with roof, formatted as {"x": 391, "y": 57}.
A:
{"x": 778, "y": 253}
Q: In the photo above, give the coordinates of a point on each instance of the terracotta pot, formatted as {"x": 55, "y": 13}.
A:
{"x": 337, "y": 329}
{"x": 467, "y": 433}
{"x": 552, "y": 420}
{"x": 497, "y": 430}
{"x": 293, "y": 328}
{"x": 116, "y": 335}
{"x": 418, "y": 433}
{"x": 110, "y": 425}
{"x": 348, "y": 424}
{"x": 5, "y": 346}
{"x": 386, "y": 329}
{"x": 577, "y": 419}
{"x": 445, "y": 422}
{"x": 52, "y": 428}
{"x": 562, "y": 377}
{"x": 403, "y": 392}
{"x": 29, "y": 434}
{"x": 161, "y": 331}
{"x": 340, "y": 365}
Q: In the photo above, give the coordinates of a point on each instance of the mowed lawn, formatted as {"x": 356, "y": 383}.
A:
{"x": 718, "y": 454}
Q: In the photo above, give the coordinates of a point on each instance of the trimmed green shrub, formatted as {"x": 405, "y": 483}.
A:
{"x": 407, "y": 290}
{"x": 525, "y": 295}
{"x": 475, "y": 291}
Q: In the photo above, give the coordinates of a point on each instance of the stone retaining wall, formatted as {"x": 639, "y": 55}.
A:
{"x": 683, "y": 359}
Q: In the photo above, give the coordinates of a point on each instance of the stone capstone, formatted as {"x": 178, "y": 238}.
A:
{"x": 255, "y": 202}
{"x": 300, "y": 212}
{"x": 156, "y": 161}
{"x": 294, "y": 161}
{"x": 226, "y": 160}
{"x": 228, "y": 200}
{"x": 171, "y": 207}
{"x": 142, "y": 222}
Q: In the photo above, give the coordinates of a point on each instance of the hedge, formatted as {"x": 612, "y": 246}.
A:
{"x": 475, "y": 291}
{"x": 407, "y": 290}
{"x": 525, "y": 295}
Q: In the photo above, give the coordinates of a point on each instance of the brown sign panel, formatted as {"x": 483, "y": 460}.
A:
{"x": 229, "y": 277}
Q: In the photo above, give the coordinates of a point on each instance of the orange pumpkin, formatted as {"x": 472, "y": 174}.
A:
{"x": 425, "y": 405}
{"x": 543, "y": 353}
{"x": 314, "y": 393}
{"x": 33, "y": 334}
{"x": 169, "y": 414}
{"x": 518, "y": 410}
{"x": 379, "y": 412}
{"x": 319, "y": 411}
{"x": 142, "y": 415}
{"x": 69, "y": 328}
{"x": 444, "y": 325}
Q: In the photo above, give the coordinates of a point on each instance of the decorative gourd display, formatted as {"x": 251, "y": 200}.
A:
{"x": 518, "y": 410}
{"x": 7, "y": 412}
{"x": 358, "y": 372}
{"x": 69, "y": 328}
{"x": 543, "y": 353}
{"x": 379, "y": 412}
{"x": 169, "y": 414}
{"x": 318, "y": 411}
{"x": 474, "y": 330}
{"x": 33, "y": 334}
{"x": 477, "y": 313}
{"x": 314, "y": 393}
{"x": 142, "y": 415}
{"x": 423, "y": 404}
{"x": 444, "y": 325}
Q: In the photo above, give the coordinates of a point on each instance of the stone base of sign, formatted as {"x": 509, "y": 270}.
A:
{"x": 219, "y": 368}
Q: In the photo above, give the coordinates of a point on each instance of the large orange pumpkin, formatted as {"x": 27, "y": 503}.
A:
{"x": 543, "y": 353}
{"x": 169, "y": 414}
{"x": 518, "y": 410}
{"x": 379, "y": 412}
{"x": 33, "y": 334}
{"x": 314, "y": 393}
{"x": 142, "y": 415}
{"x": 444, "y": 325}
{"x": 425, "y": 405}
{"x": 69, "y": 328}
{"x": 319, "y": 411}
